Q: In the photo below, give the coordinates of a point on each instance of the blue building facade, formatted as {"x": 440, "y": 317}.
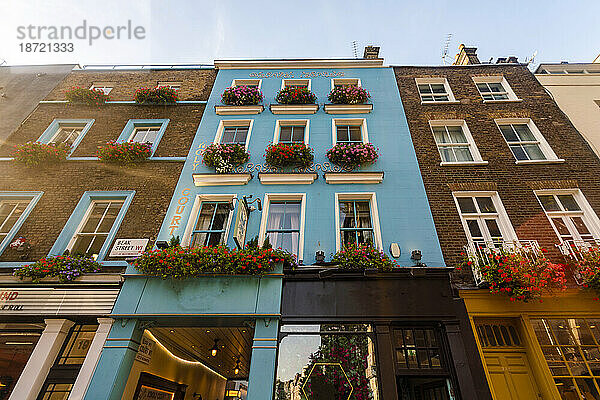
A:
{"x": 278, "y": 335}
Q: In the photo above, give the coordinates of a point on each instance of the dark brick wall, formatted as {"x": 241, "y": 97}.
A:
{"x": 63, "y": 185}
{"x": 514, "y": 183}
{"x": 196, "y": 84}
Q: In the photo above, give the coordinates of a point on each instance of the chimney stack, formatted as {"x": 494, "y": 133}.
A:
{"x": 371, "y": 52}
{"x": 466, "y": 56}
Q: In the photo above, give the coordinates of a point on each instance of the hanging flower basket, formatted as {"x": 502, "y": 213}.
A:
{"x": 160, "y": 95}
{"x": 65, "y": 268}
{"x": 362, "y": 256}
{"x": 348, "y": 94}
{"x": 283, "y": 155}
{"x": 225, "y": 157}
{"x": 91, "y": 97}
{"x": 241, "y": 96}
{"x": 181, "y": 262}
{"x": 518, "y": 277}
{"x": 296, "y": 95}
{"x": 125, "y": 153}
{"x": 36, "y": 154}
{"x": 353, "y": 155}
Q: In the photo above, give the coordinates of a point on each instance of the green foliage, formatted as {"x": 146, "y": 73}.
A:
{"x": 182, "y": 262}
{"x": 289, "y": 155}
{"x": 160, "y": 95}
{"x": 66, "y": 268}
{"x": 34, "y": 154}
{"x": 362, "y": 256}
{"x": 125, "y": 153}
{"x": 91, "y": 97}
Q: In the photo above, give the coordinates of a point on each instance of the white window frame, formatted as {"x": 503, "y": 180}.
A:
{"x": 103, "y": 86}
{"x": 291, "y": 122}
{"x": 242, "y": 82}
{"x": 477, "y": 160}
{"x": 362, "y": 122}
{"x": 200, "y": 198}
{"x": 175, "y": 85}
{"x": 544, "y": 146}
{"x": 496, "y": 79}
{"x": 285, "y": 82}
{"x": 369, "y": 196}
{"x": 345, "y": 81}
{"x": 142, "y": 127}
{"x": 269, "y": 197}
{"x": 590, "y": 218}
{"x": 233, "y": 122}
{"x": 84, "y": 220}
{"x": 435, "y": 81}
{"x": 83, "y": 126}
{"x": 506, "y": 228}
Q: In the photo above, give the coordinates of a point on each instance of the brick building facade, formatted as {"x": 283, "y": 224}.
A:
{"x": 63, "y": 196}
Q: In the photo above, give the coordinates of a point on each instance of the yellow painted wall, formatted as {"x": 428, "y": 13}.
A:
{"x": 198, "y": 378}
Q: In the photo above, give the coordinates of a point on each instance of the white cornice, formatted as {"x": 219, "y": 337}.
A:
{"x": 221, "y": 179}
{"x": 340, "y": 178}
{"x": 301, "y": 63}
{"x": 287, "y": 178}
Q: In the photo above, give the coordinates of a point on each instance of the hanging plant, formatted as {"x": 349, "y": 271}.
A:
{"x": 92, "y": 97}
{"x": 587, "y": 266}
{"x": 159, "y": 95}
{"x": 353, "y": 155}
{"x": 348, "y": 94}
{"x": 36, "y": 154}
{"x": 181, "y": 262}
{"x": 295, "y": 95}
{"x": 125, "y": 153}
{"x": 241, "y": 95}
{"x": 362, "y": 256}
{"x": 65, "y": 268}
{"x": 225, "y": 157}
{"x": 289, "y": 155}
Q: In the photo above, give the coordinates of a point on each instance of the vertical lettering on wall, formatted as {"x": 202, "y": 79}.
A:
{"x": 181, "y": 204}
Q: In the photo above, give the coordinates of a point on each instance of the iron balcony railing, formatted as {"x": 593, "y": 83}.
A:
{"x": 574, "y": 249}
{"x": 479, "y": 251}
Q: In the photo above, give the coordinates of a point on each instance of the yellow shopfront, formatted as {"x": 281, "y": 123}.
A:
{"x": 538, "y": 350}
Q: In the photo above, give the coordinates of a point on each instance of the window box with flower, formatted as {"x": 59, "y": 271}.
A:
{"x": 62, "y": 268}
{"x": 282, "y": 157}
{"x": 348, "y": 99}
{"x": 36, "y": 154}
{"x": 125, "y": 153}
{"x": 295, "y": 100}
{"x": 156, "y": 96}
{"x": 584, "y": 259}
{"x": 361, "y": 256}
{"x": 90, "y": 97}
{"x": 242, "y": 99}
{"x": 353, "y": 155}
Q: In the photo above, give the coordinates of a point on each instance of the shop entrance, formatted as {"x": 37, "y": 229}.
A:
{"x": 506, "y": 361}
{"x": 191, "y": 363}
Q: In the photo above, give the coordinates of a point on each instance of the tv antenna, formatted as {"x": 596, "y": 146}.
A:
{"x": 530, "y": 60}
{"x": 445, "y": 51}
{"x": 2, "y": 61}
{"x": 355, "y": 48}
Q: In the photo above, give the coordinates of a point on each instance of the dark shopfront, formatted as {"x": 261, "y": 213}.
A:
{"x": 395, "y": 335}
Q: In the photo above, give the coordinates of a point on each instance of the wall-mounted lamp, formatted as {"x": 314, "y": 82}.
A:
{"x": 319, "y": 256}
{"x": 416, "y": 255}
{"x": 215, "y": 349}
{"x": 162, "y": 244}
{"x": 395, "y": 250}
{"x": 247, "y": 203}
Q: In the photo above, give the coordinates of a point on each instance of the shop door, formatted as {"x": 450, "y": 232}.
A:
{"x": 506, "y": 361}
{"x": 510, "y": 376}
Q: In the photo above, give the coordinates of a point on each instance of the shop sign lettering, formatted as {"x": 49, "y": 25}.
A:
{"x": 180, "y": 207}
{"x": 302, "y": 74}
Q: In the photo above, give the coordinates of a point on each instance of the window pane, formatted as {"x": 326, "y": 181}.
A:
{"x": 463, "y": 154}
{"x": 285, "y": 134}
{"x": 342, "y": 133}
{"x": 447, "y": 154}
{"x": 482, "y": 87}
{"x": 568, "y": 202}
{"x": 524, "y": 133}
{"x": 439, "y": 132}
{"x": 287, "y": 241}
{"x": 560, "y": 226}
{"x": 438, "y": 88}
{"x": 518, "y": 152}
{"x": 456, "y": 134}
{"x": 493, "y": 228}
{"x": 474, "y": 230}
{"x": 580, "y": 225}
{"x": 347, "y": 214}
{"x": 466, "y": 204}
{"x": 363, "y": 214}
{"x": 109, "y": 217}
{"x": 276, "y": 216}
{"x": 534, "y": 152}
{"x": 496, "y": 87}
{"x": 424, "y": 89}
{"x": 355, "y": 135}
{"x": 10, "y": 212}
{"x": 549, "y": 203}
{"x": 205, "y": 217}
{"x": 508, "y": 133}
{"x": 228, "y": 135}
{"x": 486, "y": 205}
{"x": 220, "y": 216}
{"x": 298, "y": 134}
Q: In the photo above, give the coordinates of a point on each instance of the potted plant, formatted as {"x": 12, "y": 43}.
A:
{"x": 65, "y": 268}
{"x": 92, "y": 97}
{"x": 295, "y": 100}
{"x": 352, "y": 155}
{"x": 283, "y": 155}
{"x": 125, "y": 153}
{"x": 224, "y": 157}
{"x": 348, "y": 94}
{"x": 159, "y": 95}
{"x": 362, "y": 256}
{"x": 36, "y": 154}
{"x": 518, "y": 277}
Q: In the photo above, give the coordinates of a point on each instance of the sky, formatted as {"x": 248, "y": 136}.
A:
{"x": 197, "y": 32}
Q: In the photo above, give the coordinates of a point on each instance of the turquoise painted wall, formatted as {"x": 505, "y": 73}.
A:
{"x": 404, "y": 212}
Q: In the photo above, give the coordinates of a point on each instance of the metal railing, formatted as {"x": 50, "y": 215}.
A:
{"x": 573, "y": 249}
{"x": 479, "y": 251}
